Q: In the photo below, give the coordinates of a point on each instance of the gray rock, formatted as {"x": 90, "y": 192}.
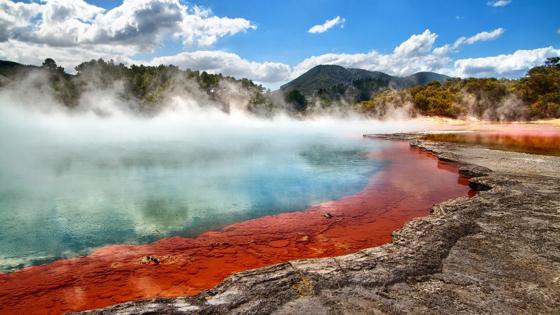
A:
{"x": 471, "y": 170}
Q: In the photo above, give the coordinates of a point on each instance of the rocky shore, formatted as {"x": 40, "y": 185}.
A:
{"x": 497, "y": 252}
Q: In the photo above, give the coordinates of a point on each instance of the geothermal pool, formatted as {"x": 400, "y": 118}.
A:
{"x": 84, "y": 200}
{"x": 73, "y": 199}
{"x": 393, "y": 183}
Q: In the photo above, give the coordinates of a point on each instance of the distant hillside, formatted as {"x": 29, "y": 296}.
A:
{"x": 334, "y": 82}
{"x": 534, "y": 96}
{"x": 10, "y": 69}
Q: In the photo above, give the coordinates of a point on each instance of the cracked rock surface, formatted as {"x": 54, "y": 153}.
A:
{"x": 495, "y": 253}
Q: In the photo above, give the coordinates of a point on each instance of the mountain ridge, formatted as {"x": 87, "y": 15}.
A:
{"x": 339, "y": 82}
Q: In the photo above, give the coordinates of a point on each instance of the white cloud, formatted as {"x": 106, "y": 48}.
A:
{"x": 15, "y": 15}
{"x": 498, "y": 3}
{"x": 416, "y": 45}
{"x": 205, "y": 29}
{"x": 413, "y": 55}
{"x": 228, "y": 64}
{"x": 61, "y": 23}
{"x": 507, "y": 65}
{"x": 321, "y": 28}
{"x": 483, "y": 36}
{"x": 138, "y": 25}
{"x": 416, "y": 54}
{"x": 558, "y": 31}
{"x": 479, "y": 37}
{"x": 68, "y": 57}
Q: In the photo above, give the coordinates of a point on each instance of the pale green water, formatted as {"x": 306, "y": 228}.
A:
{"x": 60, "y": 199}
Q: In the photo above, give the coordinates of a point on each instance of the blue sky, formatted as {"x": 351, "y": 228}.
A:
{"x": 382, "y": 25}
{"x": 270, "y": 42}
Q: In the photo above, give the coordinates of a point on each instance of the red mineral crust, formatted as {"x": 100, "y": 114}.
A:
{"x": 536, "y": 141}
{"x": 176, "y": 266}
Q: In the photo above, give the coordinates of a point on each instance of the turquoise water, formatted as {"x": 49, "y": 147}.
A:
{"x": 61, "y": 199}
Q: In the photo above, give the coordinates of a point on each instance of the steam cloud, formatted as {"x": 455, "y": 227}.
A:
{"x": 33, "y": 124}
{"x": 158, "y": 165}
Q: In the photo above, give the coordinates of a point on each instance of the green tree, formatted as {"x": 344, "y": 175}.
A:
{"x": 553, "y": 63}
{"x": 49, "y": 64}
{"x": 297, "y": 100}
{"x": 540, "y": 88}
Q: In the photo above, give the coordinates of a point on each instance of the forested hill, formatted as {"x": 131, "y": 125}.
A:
{"x": 533, "y": 96}
{"x": 352, "y": 85}
{"x": 145, "y": 88}
{"x": 10, "y": 68}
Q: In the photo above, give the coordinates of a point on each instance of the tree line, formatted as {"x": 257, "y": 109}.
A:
{"x": 534, "y": 96}
{"x": 146, "y": 86}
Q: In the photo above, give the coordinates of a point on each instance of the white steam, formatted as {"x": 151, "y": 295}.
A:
{"x": 72, "y": 179}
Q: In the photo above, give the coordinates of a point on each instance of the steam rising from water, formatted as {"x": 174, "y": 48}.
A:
{"x": 74, "y": 180}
